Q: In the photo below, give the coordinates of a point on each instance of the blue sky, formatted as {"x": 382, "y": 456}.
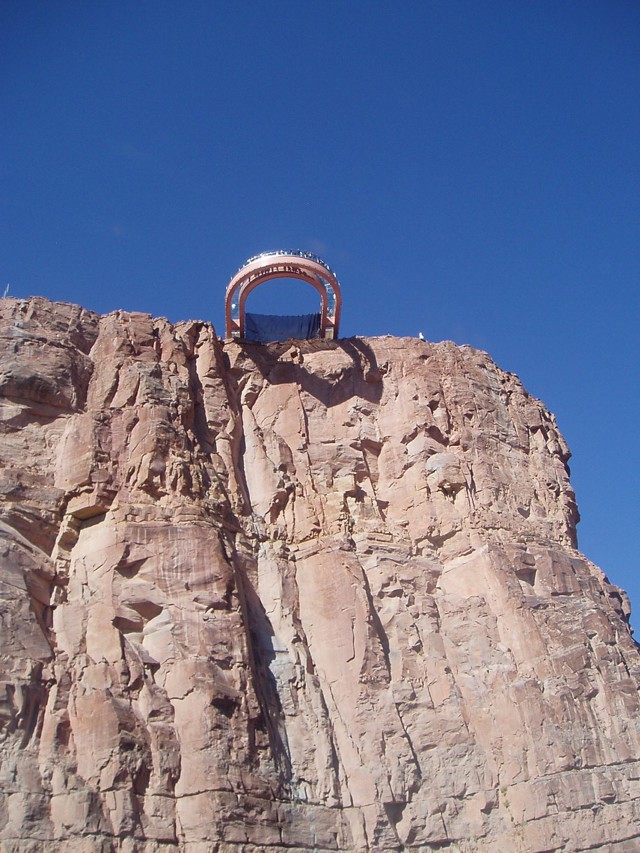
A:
{"x": 469, "y": 169}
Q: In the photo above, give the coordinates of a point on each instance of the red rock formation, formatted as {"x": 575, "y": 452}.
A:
{"x": 313, "y": 597}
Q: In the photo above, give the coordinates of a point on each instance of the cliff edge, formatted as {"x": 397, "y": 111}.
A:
{"x": 321, "y": 596}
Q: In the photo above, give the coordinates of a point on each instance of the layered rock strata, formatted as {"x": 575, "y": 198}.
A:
{"x": 311, "y": 597}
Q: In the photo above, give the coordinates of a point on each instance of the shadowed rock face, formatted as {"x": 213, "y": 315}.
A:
{"x": 313, "y": 597}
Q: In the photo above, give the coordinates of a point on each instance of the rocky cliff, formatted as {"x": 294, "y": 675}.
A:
{"x": 322, "y": 597}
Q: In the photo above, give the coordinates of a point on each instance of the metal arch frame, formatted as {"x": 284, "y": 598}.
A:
{"x": 283, "y": 264}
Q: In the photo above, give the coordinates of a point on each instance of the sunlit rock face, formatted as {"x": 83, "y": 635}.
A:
{"x": 321, "y": 596}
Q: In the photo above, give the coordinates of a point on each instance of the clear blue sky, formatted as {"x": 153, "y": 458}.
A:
{"x": 469, "y": 169}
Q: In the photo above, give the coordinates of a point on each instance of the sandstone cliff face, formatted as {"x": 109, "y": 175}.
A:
{"x": 312, "y": 597}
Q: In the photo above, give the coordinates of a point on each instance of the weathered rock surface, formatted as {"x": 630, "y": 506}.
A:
{"x": 317, "y": 597}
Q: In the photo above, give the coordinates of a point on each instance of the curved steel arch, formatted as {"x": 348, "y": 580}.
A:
{"x": 285, "y": 263}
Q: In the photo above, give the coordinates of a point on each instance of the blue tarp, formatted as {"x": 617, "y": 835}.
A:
{"x": 266, "y": 328}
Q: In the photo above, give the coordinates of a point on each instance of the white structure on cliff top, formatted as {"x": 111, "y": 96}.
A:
{"x": 284, "y": 263}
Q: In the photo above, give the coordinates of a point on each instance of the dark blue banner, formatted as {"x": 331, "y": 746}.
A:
{"x": 267, "y": 328}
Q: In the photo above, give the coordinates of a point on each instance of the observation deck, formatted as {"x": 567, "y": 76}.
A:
{"x": 283, "y": 263}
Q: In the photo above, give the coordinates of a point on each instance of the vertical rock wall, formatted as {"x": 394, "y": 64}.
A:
{"x": 322, "y": 596}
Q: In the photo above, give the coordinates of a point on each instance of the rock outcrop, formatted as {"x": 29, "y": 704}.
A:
{"x": 311, "y": 597}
